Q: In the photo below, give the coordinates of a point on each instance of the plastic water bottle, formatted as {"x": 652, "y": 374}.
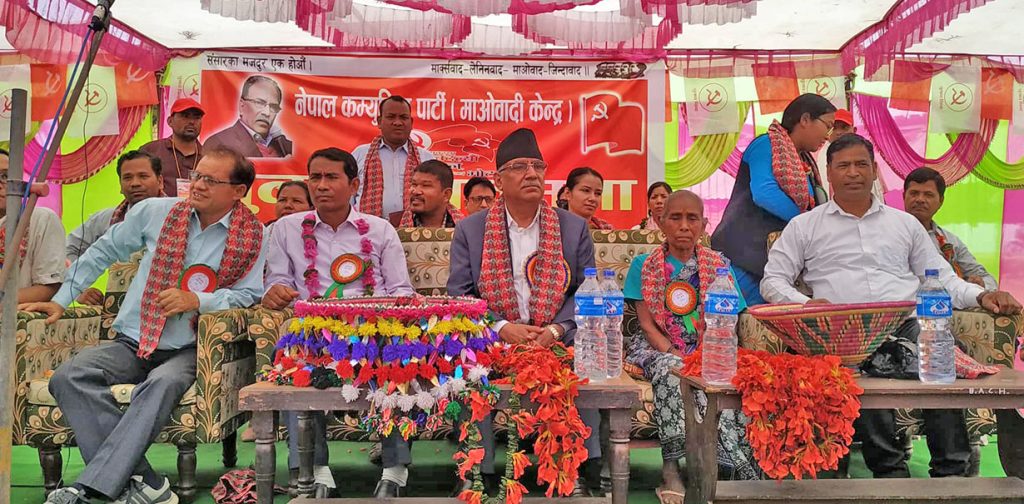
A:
{"x": 614, "y": 303}
{"x": 721, "y": 311}
{"x": 935, "y": 354}
{"x": 590, "y": 342}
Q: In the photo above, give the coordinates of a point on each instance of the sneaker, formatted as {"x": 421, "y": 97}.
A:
{"x": 138, "y": 492}
{"x": 67, "y": 495}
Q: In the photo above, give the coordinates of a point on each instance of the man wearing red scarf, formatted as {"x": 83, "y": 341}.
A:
{"x": 202, "y": 255}
{"x": 528, "y": 272}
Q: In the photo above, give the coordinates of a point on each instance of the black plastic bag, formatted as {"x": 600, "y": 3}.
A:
{"x": 896, "y": 358}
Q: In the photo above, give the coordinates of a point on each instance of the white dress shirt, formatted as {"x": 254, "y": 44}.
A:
{"x": 392, "y": 164}
{"x": 522, "y": 241}
{"x": 847, "y": 259}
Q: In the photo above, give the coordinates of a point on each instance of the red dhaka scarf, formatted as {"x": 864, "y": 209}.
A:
{"x": 372, "y": 201}
{"x": 497, "y": 285}
{"x": 453, "y": 216}
{"x": 241, "y": 249}
{"x": 949, "y": 253}
{"x": 22, "y": 249}
{"x": 599, "y": 223}
{"x": 790, "y": 170}
{"x": 657, "y": 272}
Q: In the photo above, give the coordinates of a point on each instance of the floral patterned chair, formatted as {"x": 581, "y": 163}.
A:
{"x": 208, "y": 413}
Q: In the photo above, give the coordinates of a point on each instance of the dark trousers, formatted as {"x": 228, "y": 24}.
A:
{"x": 113, "y": 444}
{"x": 945, "y": 429}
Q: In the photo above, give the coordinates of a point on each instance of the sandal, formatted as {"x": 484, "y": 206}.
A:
{"x": 662, "y": 494}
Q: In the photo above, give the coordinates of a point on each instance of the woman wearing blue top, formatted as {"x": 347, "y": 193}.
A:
{"x": 777, "y": 180}
{"x": 665, "y": 287}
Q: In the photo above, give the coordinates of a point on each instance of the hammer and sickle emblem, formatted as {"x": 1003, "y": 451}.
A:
{"x": 481, "y": 142}
{"x": 93, "y": 98}
{"x": 8, "y": 106}
{"x": 600, "y": 112}
{"x": 959, "y": 98}
{"x": 53, "y": 83}
{"x": 994, "y": 85}
{"x": 714, "y": 97}
{"x": 822, "y": 87}
{"x": 135, "y": 74}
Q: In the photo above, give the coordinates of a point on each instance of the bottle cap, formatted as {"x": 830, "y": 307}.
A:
{"x": 931, "y": 272}
{"x": 590, "y": 272}
{"x": 722, "y": 271}
{"x": 609, "y": 273}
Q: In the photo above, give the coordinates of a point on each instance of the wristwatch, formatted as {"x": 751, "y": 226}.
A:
{"x": 554, "y": 332}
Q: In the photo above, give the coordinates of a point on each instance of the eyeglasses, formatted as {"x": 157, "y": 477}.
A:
{"x": 519, "y": 167}
{"x": 197, "y": 177}
{"x": 831, "y": 127}
{"x": 261, "y": 104}
{"x": 482, "y": 199}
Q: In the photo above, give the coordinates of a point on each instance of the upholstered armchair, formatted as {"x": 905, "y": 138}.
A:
{"x": 207, "y": 413}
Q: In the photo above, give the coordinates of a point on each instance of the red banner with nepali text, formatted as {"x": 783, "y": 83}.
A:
{"x": 592, "y": 114}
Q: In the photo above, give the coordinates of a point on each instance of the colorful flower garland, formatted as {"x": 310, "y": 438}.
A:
{"x": 546, "y": 375}
{"x": 411, "y": 358}
{"x": 801, "y": 408}
{"x": 309, "y": 251}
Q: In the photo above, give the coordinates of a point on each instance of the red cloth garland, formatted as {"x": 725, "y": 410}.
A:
{"x": 241, "y": 249}
{"x": 497, "y": 286}
{"x": 372, "y": 201}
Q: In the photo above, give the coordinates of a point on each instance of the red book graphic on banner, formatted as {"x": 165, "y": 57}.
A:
{"x": 135, "y": 86}
{"x": 609, "y": 122}
{"x": 48, "y": 83}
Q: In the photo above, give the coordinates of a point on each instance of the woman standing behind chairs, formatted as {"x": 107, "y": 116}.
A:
{"x": 778, "y": 179}
{"x": 665, "y": 287}
{"x": 585, "y": 186}
{"x": 657, "y": 193}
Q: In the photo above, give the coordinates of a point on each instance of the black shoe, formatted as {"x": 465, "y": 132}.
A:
{"x": 322, "y": 491}
{"x": 387, "y": 490}
{"x": 491, "y": 484}
{"x": 579, "y": 489}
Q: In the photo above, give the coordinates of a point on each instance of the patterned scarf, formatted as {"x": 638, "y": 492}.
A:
{"x": 241, "y": 249}
{"x": 657, "y": 272}
{"x": 452, "y": 216}
{"x": 119, "y": 212}
{"x": 599, "y": 223}
{"x": 22, "y": 250}
{"x": 949, "y": 253}
{"x": 790, "y": 170}
{"x": 497, "y": 286}
{"x": 372, "y": 201}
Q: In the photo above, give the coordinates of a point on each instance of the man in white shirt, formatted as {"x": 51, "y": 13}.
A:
{"x": 924, "y": 190}
{"x": 854, "y": 249}
{"x": 387, "y": 162}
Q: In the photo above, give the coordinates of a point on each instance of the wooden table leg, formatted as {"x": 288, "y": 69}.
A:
{"x": 305, "y": 452}
{"x": 618, "y": 420}
{"x": 701, "y": 448}
{"x": 266, "y": 456}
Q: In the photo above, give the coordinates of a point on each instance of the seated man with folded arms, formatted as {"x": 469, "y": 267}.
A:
{"x": 924, "y": 191}
{"x": 41, "y": 252}
{"x": 139, "y": 174}
{"x": 430, "y": 194}
{"x": 338, "y": 230}
{"x": 854, "y": 249}
{"x": 188, "y": 269}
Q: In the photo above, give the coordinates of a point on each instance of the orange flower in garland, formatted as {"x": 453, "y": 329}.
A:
{"x": 801, "y": 408}
{"x": 468, "y": 460}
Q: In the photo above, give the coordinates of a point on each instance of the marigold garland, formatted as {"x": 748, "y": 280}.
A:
{"x": 802, "y": 409}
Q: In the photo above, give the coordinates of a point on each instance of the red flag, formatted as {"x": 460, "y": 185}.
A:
{"x": 776, "y": 85}
{"x": 996, "y": 94}
{"x": 911, "y": 86}
{"x": 135, "y": 86}
{"x": 608, "y": 121}
{"x": 48, "y": 83}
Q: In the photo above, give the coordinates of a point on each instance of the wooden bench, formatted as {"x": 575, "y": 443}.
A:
{"x": 1004, "y": 390}
{"x": 619, "y": 396}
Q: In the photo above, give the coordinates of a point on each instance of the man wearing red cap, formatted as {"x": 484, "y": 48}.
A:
{"x": 179, "y": 153}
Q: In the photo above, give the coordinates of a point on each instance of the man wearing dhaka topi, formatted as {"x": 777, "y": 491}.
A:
{"x": 528, "y": 271}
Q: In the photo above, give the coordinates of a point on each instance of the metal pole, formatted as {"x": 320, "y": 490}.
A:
{"x": 51, "y": 153}
{"x": 9, "y": 315}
